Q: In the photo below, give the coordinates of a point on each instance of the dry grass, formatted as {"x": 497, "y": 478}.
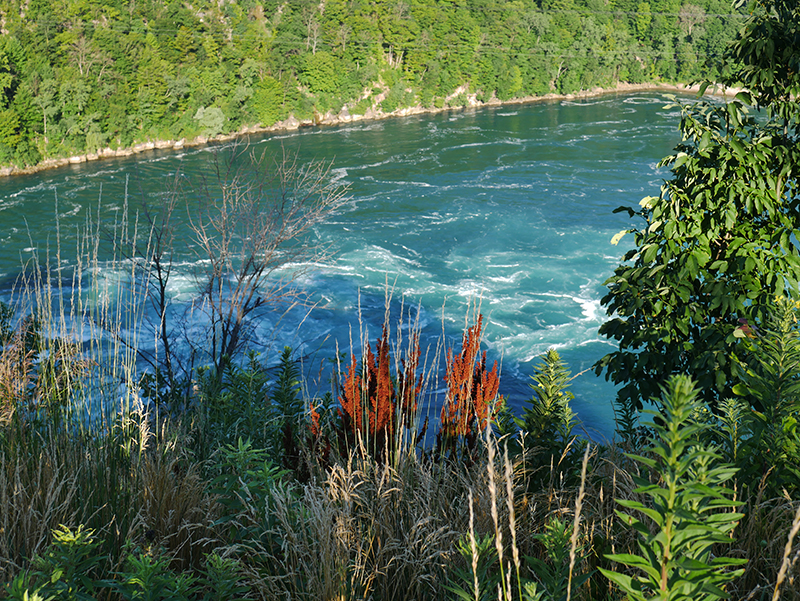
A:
{"x": 177, "y": 512}
{"x": 361, "y": 529}
{"x": 365, "y": 530}
{"x": 762, "y": 539}
{"x": 36, "y": 495}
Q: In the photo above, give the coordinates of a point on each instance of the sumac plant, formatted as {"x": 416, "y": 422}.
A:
{"x": 472, "y": 400}
{"x": 378, "y": 410}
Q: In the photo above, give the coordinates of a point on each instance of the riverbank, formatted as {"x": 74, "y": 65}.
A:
{"x": 344, "y": 117}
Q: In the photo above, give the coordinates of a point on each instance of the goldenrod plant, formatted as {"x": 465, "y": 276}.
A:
{"x": 769, "y": 385}
{"x": 687, "y": 510}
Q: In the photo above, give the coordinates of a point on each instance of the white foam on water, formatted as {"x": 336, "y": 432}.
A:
{"x": 497, "y": 324}
{"x": 389, "y": 161}
{"x": 417, "y": 292}
{"x": 386, "y": 256}
{"x": 614, "y": 122}
{"x": 76, "y": 208}
{"x": 6, "y": 203}
{"x": 585, "y": 102}
{"x": 598, "y": 340}
{"x": 70, "y": 192}
{"x": 470, "y": 288}
{"x": 338, "y": 174}
{"x": 590, "y": 308}
{"x": 40, "y": 187}
{"x": 508, "y": 279}
{"x": 437, "y": 219}
{"x": 507, "y": 186}
{"x": 412, "y": 183}
{"x": 411, "y": 250}
{"x": 182, "y": 286}
{"x": 642, "y": 100}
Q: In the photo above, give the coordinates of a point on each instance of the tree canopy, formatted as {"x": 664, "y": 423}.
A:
{"x": 721, "y": 238}
{"x": 80, "y": 75}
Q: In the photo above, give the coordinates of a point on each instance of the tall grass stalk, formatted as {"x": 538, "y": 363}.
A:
{"x": 787, "y": 562}
{"x": 577, "y": 522}
{"x": 473, "y": 546}
{"x": 498, "y": 532}
{"x": 512, "y": 518}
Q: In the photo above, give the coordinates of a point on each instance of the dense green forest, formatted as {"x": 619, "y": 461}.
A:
{"x": 82, "y": 75}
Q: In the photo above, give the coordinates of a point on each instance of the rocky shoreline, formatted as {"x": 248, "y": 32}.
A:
{"x": 341, "y": 118}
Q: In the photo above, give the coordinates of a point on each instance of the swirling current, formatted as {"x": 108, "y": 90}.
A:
{"x": 510, "y": 207}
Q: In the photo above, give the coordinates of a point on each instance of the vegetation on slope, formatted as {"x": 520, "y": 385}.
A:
{"x": 78, "y": 76}
{"x": 225, "y": 482}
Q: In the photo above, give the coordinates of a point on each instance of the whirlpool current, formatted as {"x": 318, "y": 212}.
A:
{"x": 509, "y": 207}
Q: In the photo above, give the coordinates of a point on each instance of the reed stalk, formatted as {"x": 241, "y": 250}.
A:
{"x": 787, "y": 561}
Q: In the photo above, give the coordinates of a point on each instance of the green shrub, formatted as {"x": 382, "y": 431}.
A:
{"x": 547, "y": 422}
{"x": 147, "y": 577}
{"x": 763, "y": 432}
{"x": 688, "y": 510}
{"x": 68, "y": 570}
{"x": 553, "y": 573}
{"x": 222, "y": 579}
{"x": 243, "y": 487}
{"x": 399, "y": 96}
{"x": 480, "y": 581}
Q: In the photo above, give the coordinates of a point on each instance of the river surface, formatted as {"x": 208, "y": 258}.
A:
{"x": 507, "y": 206}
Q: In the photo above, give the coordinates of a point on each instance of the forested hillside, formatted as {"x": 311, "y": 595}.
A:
{"x": 81, "y": 75}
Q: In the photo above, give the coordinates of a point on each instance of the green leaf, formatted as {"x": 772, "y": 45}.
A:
{"x": 680, "y": 159}
{"x": 625, "y": 582}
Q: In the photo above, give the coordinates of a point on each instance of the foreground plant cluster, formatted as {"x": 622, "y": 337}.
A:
{"x": 191, "y": 470}
{"x": 253, "y": 491}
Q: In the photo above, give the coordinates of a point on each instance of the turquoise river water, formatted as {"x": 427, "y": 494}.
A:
{"x": 511, "y": 206}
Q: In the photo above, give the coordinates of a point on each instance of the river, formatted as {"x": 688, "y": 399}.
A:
{"x": 508, "y": 205}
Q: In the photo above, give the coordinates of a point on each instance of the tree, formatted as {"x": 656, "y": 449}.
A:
{"x": 251, "y": 226}
{"x": 720, "y": 240}
{"x": 252, "y": 230}
{"x": 267, "y": 101}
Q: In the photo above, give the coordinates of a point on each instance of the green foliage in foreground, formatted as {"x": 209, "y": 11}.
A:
{"x": 68, "y": 571}
{"x": 719, "y": 241}
{"x": 761, "y": 425}
{"x": 81, "y": 76}
{"x": 263, "y": 519}
{"x": 689, "y": 509}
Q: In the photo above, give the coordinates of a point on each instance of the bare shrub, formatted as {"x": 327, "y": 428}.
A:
{"x": 254, "y": 227}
